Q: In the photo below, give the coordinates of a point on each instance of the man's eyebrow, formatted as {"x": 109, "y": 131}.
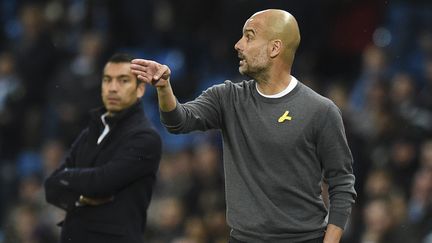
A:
{"x": 119, "y": 76}
{"x": 249, "y": 31}
{"x": 123, "y": 76}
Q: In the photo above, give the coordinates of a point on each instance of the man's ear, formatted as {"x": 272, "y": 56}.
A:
{"x": 275, "y": 47}
{"x": 140, "y": 89}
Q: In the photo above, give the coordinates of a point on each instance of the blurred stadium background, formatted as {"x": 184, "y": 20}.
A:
{"x": 373, "y": 58}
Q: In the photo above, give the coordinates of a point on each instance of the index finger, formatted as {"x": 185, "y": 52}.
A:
{"x": 140, "y": 61}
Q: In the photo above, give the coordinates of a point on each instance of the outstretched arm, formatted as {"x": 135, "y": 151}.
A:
{"x": 203, "y": 113}
{"x": 157, "y": 75}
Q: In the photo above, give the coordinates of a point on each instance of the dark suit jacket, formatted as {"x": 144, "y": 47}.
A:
{"x": 123, "y": 165}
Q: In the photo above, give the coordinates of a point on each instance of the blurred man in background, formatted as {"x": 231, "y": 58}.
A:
{"x": 105, "y": 183}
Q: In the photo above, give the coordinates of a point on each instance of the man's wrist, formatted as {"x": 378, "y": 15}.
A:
{"x": 333, "y": 234}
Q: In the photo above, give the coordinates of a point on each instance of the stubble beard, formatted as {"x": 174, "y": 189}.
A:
{"x": 258, "y": 70}
{"x": 257, "y": 73}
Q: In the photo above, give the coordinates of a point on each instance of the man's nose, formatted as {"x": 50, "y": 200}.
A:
{"x": 237, "y": 45}
{"x": 113, "y": 86}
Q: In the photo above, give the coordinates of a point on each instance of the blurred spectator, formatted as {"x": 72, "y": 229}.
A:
{"x": 207, "y": 186}
{"x": 425, "y": 97}
{"x": 426, "y": 154}
{"x": 175, "y": 175}
{"x": 403, "y": 89}
{"x": 195, "y": 232}
{"x": 36, "y": 58}
{"x": 11, "y": 95}
{"x": 30, "y": 190}
{"x": 382, "y": 223}
{"x": 377, "y": 221}
{"x": 36, "y": 52}
{"x": 25, "y": 226}
{"x": 421, "y": 196}
{"x": 10, "y": 83}
{"x": 403, "y": 163}
{"x": 374, "y": 121}
{"x": 374, "y": 67}
{"x": 378, "y": 184}
{"x": 52, "y": 153}
{"x": 405, "y": 20}
{"x": 215, "y": 222}
{"x": 166, "y": 219}
{"x": 420, "y": 205}
{"x": 77, "y": 77}
{"x": 421, "y": 51}
{"x": 403, "y": 96}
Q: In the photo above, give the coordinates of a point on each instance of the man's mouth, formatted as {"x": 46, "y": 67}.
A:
{"x": 113, "y": 99}
{"x": 242, "y": 59}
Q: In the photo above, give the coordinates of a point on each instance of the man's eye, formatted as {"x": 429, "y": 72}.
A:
{"x": 124, "y": 80}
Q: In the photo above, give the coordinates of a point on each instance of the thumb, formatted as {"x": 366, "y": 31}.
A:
{"x": 164, "y": 72}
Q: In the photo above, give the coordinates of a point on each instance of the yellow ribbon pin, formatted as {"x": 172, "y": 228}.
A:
{"x": 284, "y": 117}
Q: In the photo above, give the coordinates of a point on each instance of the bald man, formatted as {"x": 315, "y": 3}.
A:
{"x": 281, "y": 140}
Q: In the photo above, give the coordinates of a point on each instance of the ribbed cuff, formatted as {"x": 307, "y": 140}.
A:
{"x": 171, "y": 118}
{"x": 338, "y": 219}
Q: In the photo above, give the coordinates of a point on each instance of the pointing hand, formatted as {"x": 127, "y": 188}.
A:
{"x": 151, "y": 72}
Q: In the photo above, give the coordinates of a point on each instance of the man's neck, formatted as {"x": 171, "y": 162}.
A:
{"x": 274, "y": 86}
{"x": 111, "y": 114}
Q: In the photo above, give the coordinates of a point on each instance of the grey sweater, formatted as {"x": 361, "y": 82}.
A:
{"x": 276, "y": 153}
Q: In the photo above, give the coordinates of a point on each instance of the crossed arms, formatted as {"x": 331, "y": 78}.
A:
{"x": 70, "y": 186}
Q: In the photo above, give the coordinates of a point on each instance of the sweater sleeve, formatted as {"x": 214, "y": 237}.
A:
{"x": 202, "y": 114}
{"x": 337, "y": 161}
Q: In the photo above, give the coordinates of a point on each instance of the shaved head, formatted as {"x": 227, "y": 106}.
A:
{"x": 268, "y": 45}
{"x": 279, "y": 24}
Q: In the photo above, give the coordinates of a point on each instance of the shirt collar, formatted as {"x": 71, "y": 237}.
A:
{"x": 292, "y": 84}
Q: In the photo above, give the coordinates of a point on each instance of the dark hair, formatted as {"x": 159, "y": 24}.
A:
{"x": 120, "y": 57}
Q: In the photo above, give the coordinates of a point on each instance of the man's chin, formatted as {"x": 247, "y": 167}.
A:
{"x": 112, "y": 109}
{"x": 244, "y": 72}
